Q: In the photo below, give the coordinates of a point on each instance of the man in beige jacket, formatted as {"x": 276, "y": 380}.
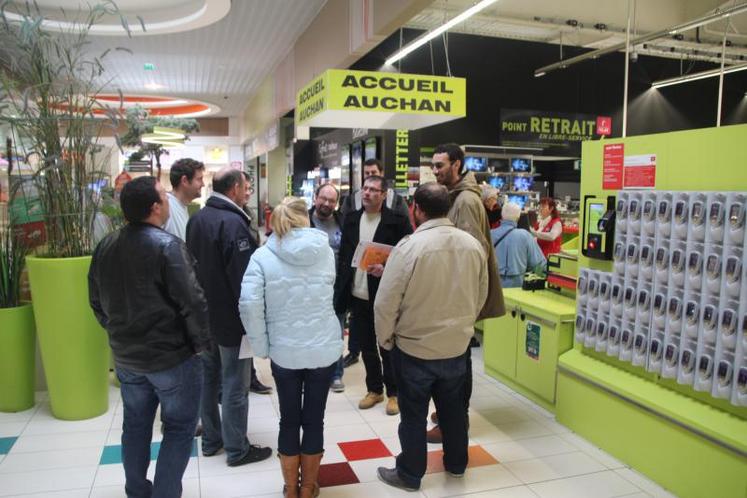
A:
{"x": 467, "y": 213}
{"x": 433, "y": 287}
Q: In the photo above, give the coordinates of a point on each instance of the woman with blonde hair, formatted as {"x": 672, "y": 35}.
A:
{"x": 286, "y": 310}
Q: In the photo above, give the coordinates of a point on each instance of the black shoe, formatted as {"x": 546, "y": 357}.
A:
{"x": 474, "y": 343}
{"x": 350, "y": 359}
{"x": 198, "y": 430}
{"x": 213, "y": 452}
{"x": 255, "y": 454}
{"x": 258, "y": 388}
{"x": 392, "y": 478}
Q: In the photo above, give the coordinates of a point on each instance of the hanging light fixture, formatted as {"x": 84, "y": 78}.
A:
{"x": 697, "y": 76}
{"x": 426, "y": 37}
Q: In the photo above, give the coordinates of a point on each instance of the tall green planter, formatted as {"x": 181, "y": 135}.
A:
{"x": 17, "y": 359}
{"x": 74, "y": 347}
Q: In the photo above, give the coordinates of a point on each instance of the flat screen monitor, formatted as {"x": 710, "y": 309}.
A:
{"x": 478, "y": 164}
{"x": 522, "y": 184}
{"x": 497, "y": 165}
{"x": 521, "y": 165}
{"x": 497, "y": 181}
{"x": 520, "y": 200}
{"x": 371, "y": 149}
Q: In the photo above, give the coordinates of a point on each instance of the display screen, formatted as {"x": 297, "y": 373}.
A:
{"x": 497, "y": 181}
{"x": 498, "y": 165}
{"x": 479, "y": 164}
{"x": 521, "y": 165}
{"x": 370, "y": 151}
{"x": 519, "y": 200}
{"x": 596, "y": 211}
{"x": 522, "y": 183}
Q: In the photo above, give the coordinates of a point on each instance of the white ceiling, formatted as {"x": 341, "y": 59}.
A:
{"x": 223, "y": 63}
{"x": 547, "y": 21}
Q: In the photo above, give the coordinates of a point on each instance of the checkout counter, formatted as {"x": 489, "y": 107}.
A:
{"x": 521, "y": 348}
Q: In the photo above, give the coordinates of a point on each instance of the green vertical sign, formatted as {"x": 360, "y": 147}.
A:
{"x": 533, "y": 340}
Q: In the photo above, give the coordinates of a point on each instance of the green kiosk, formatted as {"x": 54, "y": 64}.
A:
{"x": 652, "y": 366}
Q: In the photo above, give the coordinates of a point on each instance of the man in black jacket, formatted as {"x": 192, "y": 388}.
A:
{"x": 355, "y": 289}
{"x": 220, "y": 238}
{"x": 144, "y": 292}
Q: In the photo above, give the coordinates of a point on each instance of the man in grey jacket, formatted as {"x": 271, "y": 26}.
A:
{"x": 433, "y": 287}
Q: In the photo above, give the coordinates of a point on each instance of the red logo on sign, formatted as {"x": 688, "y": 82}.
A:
{"x": 604, "y": 125}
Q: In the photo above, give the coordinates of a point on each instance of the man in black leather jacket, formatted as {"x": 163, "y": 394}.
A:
{"x": 144, "y": 292}
{"x": 220, "y": 238}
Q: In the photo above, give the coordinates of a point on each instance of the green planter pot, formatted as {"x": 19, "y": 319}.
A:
{"x": 74, "y": 347}
{"x": 17, "y": 359}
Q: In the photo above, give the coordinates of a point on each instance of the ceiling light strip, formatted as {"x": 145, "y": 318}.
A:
{"x": 426, "y": 37}
{"x": 701, "y": 21}
{"x": 698, "y": 76}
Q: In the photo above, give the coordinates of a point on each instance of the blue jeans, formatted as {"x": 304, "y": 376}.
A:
{"x": 302, "y": 394}
{"x": 339, "y": 367}
{"x": 225, "y": 376}
{"x": 178, "y": 391}
{"x": 418, "y": 380}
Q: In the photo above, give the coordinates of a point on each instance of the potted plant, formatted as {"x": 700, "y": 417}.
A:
{"x": 17, "y": 335}
{"x": 48, "y": 87}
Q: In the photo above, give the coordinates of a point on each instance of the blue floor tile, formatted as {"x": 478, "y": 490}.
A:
{"x": 6, "y": 443}
{"x": 113, "y": 453}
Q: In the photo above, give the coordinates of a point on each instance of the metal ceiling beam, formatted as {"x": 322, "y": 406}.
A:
{"x": 701, "y": 21}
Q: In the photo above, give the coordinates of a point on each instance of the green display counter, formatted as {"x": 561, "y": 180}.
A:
{"x": 74, "y": 347}
{"x": 521, "y": 348}
{"x": 17, "y": 360}
{"x": 690, "y": 447}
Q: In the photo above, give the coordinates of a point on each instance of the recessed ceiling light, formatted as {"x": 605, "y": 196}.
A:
{"x": 154, "y": 86}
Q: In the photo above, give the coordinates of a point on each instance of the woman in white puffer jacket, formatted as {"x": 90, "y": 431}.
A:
{"x": 286, "y": 309}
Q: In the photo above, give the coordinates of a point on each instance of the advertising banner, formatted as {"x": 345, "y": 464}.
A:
{"x": 612, "y": 166}
{"x": 557, "y": 132}
{"x": 357, "y": 99}
{"x": 640, "y": 171}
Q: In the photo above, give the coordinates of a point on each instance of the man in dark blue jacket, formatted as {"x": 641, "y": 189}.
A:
{"x": 219, "y": 236}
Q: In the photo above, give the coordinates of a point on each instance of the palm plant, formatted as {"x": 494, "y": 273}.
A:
{"x": 48, "y": 88}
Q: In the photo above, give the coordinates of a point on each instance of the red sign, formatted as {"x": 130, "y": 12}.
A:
{"x": 613, "y": 161}
{"x": 604, "y": 125}
{"x": 640, "y": 171}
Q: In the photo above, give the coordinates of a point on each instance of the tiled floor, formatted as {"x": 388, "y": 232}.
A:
{"x": 517, "y": 450}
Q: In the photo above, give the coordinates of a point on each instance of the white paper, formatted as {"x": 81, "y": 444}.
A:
{"x": 245, "y": 350}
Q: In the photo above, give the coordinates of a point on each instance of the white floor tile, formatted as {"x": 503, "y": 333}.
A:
{"x": 57, "y": 459}
{"x": 475, "y": 480}
{"x": 525, "y": 449}
{"x": 354, "y": 432}
{"x": 596, "y": 453}
{"x": 68, "y": 493}
{"x": 386, "y": 428}
{"x": 487, "y": 434}
{"x": 113, "y": 474}
{"x": 504, "y": 414}
{"x": 265, "y": 424}
{"x": 365, "y": 470}
{"x": 23, "y": 416}
{"x": 12, "y": 429}
{"x": 46, "y": 480}
{"x": 340, "y": 417}
{"x": 249, "y": 484}
{"x": 524, "y": 429}
{"x": 554, "y": 467}
{"x": 644, "y": 483}
{"x": 392, "y": 443}
{"x": 43, "y": 426}
{"x": 216, "y": 466}
{"x": 513, "y": 492}
{"x": 599, "y": 485}
{"x": 45, "y": 442}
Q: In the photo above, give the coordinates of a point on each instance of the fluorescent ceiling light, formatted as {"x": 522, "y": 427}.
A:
{"x": 698, "y": 76}
{"x": 426, "y": 37}
{"x": 154, "y": 86}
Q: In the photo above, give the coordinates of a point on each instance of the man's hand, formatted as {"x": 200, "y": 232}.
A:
{"x": 376, "y": 270}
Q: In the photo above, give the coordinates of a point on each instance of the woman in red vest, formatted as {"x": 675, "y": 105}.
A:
{"x": 549, "y": 228}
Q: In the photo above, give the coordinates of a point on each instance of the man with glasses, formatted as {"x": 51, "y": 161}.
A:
{"x": 467, "y": 213}
{"x": 326, "y": 218}
{"x": 355, "y": 289}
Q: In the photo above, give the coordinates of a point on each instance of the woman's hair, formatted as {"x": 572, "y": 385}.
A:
{"x": 550, "y": 203}
{"x": 488, "y": 192}
{"x": 291, "y": 213}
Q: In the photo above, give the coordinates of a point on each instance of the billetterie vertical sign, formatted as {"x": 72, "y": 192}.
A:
{"x": 368, "y": 99}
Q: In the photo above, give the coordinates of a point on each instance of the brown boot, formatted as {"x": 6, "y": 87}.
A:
{"x": 309, "y": 474}
{"x": 289, "y": 466}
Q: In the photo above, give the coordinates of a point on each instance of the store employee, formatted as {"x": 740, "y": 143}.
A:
{"x": 515, "y": 249}
{"x": 549, "y": 228}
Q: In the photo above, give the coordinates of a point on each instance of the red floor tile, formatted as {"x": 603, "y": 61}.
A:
{"x": 364, "y": 450}
{"x": 336, "y": 474}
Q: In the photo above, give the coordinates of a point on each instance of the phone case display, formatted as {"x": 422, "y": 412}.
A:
{"x": 676, "y": 300}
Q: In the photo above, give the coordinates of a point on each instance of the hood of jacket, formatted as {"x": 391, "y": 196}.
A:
{"x": 300, "y": 246}
{"x": 468, "y": 182}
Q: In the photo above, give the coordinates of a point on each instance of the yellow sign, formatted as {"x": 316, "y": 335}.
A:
{"x": 365, "y": 99}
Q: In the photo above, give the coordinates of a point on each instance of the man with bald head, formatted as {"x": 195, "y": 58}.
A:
{"x": 220, "y": 238}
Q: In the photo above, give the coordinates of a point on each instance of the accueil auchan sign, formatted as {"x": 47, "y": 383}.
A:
{"x": 365, "y": 99}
